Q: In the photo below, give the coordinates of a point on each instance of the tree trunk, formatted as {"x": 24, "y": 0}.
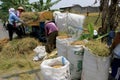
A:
{"x": 113, "y": 15}
{"x": 105, "y": 6}
{"x": 110, "y": 15}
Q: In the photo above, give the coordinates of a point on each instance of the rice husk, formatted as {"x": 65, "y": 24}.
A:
{"x": 98, "y": 48}
{"x": 4, "y": 41}
{"x": 34, "y": 18}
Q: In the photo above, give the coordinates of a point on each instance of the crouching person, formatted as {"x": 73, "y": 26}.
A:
{"x": 51, "y": 31}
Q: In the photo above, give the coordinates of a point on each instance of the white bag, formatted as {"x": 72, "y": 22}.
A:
{"x": 61, "y": 45}
{"x": 70, "y": 23}
{"x": 75, "y": 56}
{"x": 51, "y": 73}
{"x": 40, "y": 53}
{"x": 64, "y": 20}
{"x": 95, "y": 67}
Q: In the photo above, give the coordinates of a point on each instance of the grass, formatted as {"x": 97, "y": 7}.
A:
{"x": 92, "y": 19}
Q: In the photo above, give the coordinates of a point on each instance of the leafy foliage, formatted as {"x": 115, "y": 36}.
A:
{"x": 88, "y": 35}
{"x": 41, "y": 5}
{"x": 5, "y": 5}
{"x": 91, "y": 29}
{"x": 37, "y": 6}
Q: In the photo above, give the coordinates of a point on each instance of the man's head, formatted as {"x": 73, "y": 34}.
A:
{"x": 20, "y": 8}
{"x": 47, "y": 20}
{"x": 11, "y": 10}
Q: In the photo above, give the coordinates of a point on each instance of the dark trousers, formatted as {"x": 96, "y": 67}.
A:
{"x": 22, "y": 29}
{"x": 11, "y": 30}
{"x": 115, "y": 65}
{"x": 51, "y": 41}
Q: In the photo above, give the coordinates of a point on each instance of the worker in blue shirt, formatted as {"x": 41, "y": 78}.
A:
{"x": 12, "y": 24}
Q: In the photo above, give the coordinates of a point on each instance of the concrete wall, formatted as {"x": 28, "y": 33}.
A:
{"x": 79, "y": 9}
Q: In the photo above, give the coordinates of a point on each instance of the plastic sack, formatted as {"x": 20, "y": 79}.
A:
{"x": 75, "y": 33}
{"x": 60, "y": 20}
{"x": 65, "y": 20}
{"x": 61, "y": 45}
{"x": 95, "y": 67}
{"x": 75, "y": 56}
{"x": 51, "y": 73}
{"x": 40, "y": 53}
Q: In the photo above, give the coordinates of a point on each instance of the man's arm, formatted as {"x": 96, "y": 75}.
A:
{"x": 18, "y": 19}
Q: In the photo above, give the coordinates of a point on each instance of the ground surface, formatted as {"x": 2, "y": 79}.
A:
{"x": 3, "y": 31}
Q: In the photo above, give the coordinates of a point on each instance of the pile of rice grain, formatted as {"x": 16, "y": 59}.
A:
{"x": 57, "y": 66}
{"x": 78, "y": 43}
{"x": 63, "y": 37}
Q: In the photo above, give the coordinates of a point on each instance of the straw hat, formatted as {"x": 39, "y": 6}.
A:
{"x": 20, "y": 8}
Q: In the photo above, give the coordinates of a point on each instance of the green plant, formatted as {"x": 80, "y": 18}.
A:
{"x": 88, "y": 35}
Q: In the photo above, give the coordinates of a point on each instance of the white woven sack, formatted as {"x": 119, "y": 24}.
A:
{"x": 51, "y": 73}
{"x": 95, "y": 67}
{"x": 61, "y": 45}
{"x": 40, "y": 53}
{"x": 75, "y": 56}
{"x": 64, "y": 20}
{"x": 60, "y": 20}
